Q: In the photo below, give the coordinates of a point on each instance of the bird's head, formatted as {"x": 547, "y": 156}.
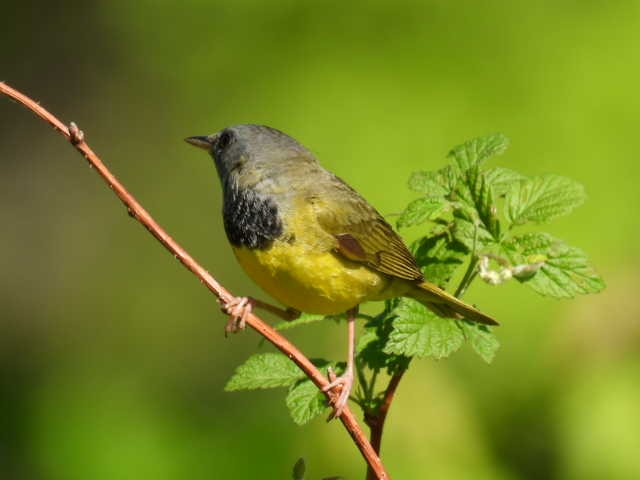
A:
{"x": 251, "y": 149}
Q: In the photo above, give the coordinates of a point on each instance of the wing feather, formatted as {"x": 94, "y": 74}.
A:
{"x": 361, "y": 233}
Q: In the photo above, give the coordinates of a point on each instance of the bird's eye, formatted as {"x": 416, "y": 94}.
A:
{"x": 224, "y": 140}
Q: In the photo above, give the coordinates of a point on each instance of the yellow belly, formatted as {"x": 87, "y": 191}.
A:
{"x": 314, "y": 281}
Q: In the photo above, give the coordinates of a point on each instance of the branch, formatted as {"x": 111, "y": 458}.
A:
{"x": 139, "y": 213}
{"x": 376, "y": 420}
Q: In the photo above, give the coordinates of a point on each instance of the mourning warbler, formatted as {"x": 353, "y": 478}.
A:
{"x": 310, "y": 240}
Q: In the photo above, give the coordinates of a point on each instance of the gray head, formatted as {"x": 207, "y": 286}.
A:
{"x": 255, "y": 164}
{"x": 252, "y": 147}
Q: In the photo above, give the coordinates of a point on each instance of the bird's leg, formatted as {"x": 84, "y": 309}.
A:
{"x": 344, "y": 383}
{"x": 239, "y": 308}
{"x": 287, "y": 314}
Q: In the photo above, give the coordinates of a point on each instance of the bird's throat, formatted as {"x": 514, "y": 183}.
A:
{"x": 250, "y": 219}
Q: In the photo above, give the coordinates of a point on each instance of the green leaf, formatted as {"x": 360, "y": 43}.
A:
{"x": 370, "y": 348}
{"x": 439, "y": 257}
{"x": 438, "y": 183}
{"x": 419, "y": 332}
{"x": 448, "y": 177}
{"x": 264, "y": 370}
{"x": 364, "y": 340}
{"x": 305, "y": 402}
{"x": 299, "y": 470}
{"x": 371, "y": 351}
{"x": 501, "y": 179}
{"x": 476, "y": 196}
{"x": 482, "y": 340}
{"x": 543, "y": 198}
{"x": 530, "y": 247}
{"x": 421, "y": 210}
{"x": 466, "y": 232}
{"x": 427, "y": 183}
{"x": 475, "y": 151}
{"x": 306, "y": 319}
{"x": 564, "y": 271}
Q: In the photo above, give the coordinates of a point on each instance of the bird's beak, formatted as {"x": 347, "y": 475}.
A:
{"x": 204, "y": 142}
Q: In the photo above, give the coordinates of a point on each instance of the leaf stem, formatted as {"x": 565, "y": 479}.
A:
{"x": 469, "y": 275}
{"x": 362, "y": 383}
{"x": 375, "y": 420}
{"x": 472, "y": 269}
{"x": 372, "y": 385}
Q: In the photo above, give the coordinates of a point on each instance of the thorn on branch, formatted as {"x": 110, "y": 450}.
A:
{"x": 76, "y": 136}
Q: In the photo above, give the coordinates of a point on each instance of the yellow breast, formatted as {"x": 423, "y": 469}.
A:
{"x": 313, "y": 282}
{"x": 301, "y": 271}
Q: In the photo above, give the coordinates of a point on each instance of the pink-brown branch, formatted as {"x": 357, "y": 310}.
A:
{"x": 376, "y": 420}
{"x": 139, "y": 213}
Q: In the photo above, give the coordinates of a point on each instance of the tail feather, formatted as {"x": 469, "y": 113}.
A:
{"x": 446, "y": 305}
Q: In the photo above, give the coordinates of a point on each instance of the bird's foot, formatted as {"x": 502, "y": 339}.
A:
{"x": 238, "y": 309}
{"x": 341, "y": 389}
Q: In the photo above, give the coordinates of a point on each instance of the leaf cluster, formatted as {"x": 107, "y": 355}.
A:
{"x": 274, "y": 370}
{"x": 475, "y": 215}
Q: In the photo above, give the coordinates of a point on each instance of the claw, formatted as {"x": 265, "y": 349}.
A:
{"x": 342, "y": 389}
{"x": 238, "y": 309}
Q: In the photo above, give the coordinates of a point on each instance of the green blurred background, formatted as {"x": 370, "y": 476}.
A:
{"x": 112, "y": 357}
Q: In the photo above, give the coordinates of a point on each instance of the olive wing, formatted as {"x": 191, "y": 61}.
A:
{"x": 361, "y": 233}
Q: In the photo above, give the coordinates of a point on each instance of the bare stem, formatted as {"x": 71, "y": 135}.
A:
{"x": 139, "y": 213}
{"x": 472, "y": 269}
{"x": 376, "y": 419}
{"x": 469, "y": 275}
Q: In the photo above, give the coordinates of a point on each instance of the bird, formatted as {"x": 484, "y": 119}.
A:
{"x": 309, "y": 240}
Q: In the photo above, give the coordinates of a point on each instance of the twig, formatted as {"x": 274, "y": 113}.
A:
{"x": 136, "y": 210}
{"x": 469, "y": 275}
{"x": 376, "y": 420}
{"x": 472, "y": 269}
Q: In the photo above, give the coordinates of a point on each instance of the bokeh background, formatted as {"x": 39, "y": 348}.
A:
{"x": 112, "y": 358}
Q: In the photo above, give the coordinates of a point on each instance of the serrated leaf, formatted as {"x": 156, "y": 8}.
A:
{"x": 439, "y": 257}
{"x": 564, "y": 272}
{"x": 438, "y": 183}
{"x": 474, "y": 152}
{"x": 299, "y": 469}
{"x": 448, "y": 177}
{"x": 501, "y": 179}
{"x": 427, "y": 183}
{"x": 421, "y": 210}
{"x": 476, "y": 196}
{"x": 264, "y": 370}
{"x": 371, "y": 352}
{"x": 530, "y": 245}
{"x": 419, "y": 332}
{"x": 468, "y": 233}
{"x": 368, "y": 336}
{"x": 543, "y": 198}
{"x": 370, "y": 348}
{"x": 482, "y": 340}
{"x": 305, "y": 402}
